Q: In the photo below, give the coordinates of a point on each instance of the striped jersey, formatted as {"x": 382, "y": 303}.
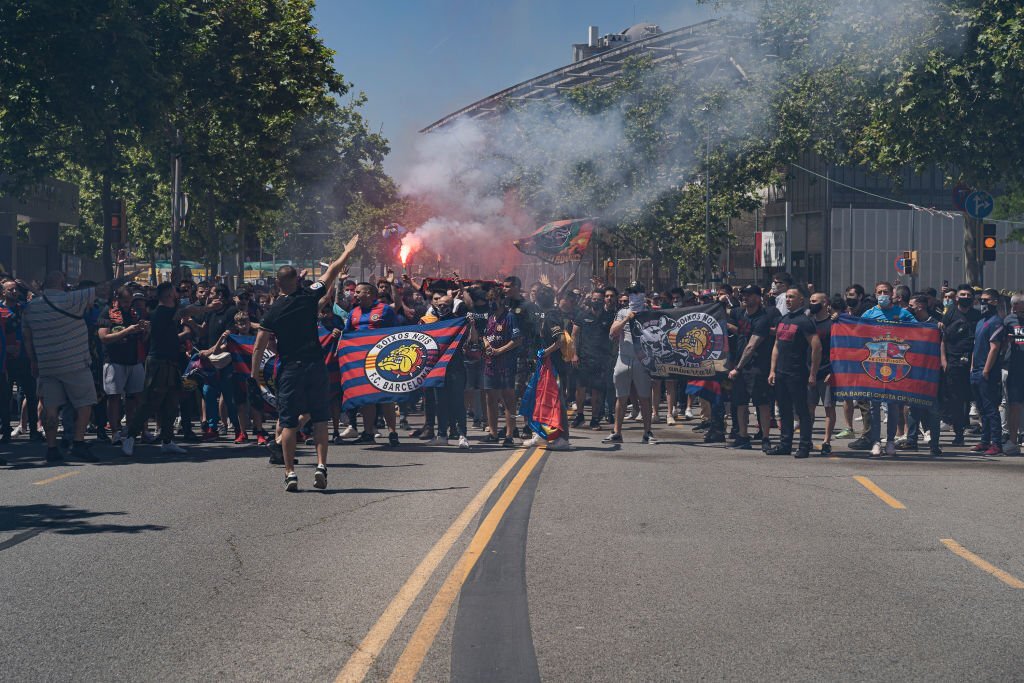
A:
{"x": 61, "y": 343}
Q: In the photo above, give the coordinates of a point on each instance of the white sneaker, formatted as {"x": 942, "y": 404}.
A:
{"x": 890, "y": 448}
{"x": 877, "y": 448}
{"x": 560, "y": 444}
{"x": 688, "y": 415}
{"x": 670, "y": 420}
{"x": 438, "y": 441}
{"x": 349, "y": 432}
{"x": 128, "y": 445}
{"x": 463, "y": 442}
{"x": 17, "y": 431}
{"x": 171, "y": 447}
{"x": 534, "y": 440}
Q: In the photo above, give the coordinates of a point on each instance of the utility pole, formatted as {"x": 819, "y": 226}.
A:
{"x": 707, "y": 200}
{"x": 176, "y": 212}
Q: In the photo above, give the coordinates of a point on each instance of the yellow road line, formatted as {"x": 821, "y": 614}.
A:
{"x": 956, "y": 548}
{"x": 874, "y": 488}
{"x": 363, "y": 658}
{"x": 57, "y": 478}
{"x": 412, "y": 657}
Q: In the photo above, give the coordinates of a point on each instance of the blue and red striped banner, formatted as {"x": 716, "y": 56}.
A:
{"x": 881, "y": 361}
{"x": 387, "y": 365}
{"x": 541, "y": 404}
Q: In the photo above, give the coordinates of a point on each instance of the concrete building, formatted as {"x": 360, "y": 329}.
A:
{"x": 30, "y": 231}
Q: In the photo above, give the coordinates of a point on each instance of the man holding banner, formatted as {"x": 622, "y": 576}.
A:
{"x": 302, "y": 378}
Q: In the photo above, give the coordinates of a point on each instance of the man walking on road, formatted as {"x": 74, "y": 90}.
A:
{"x": 302, "y": 378}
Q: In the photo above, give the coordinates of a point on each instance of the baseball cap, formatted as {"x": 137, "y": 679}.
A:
{"x": 751, "y": 289}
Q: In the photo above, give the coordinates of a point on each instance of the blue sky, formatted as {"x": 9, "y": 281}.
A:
{"x": 420, "y": 60}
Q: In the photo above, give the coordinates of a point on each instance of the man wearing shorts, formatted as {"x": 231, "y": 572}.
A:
{"x": 820, "y": 311}
{"x": 302, "y": 378}
{"x": 121, "y": 332}
{"x": 629, "y": 371}
{"x": 750, "y": 375}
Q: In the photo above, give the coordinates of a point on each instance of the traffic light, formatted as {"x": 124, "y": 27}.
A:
{"x": 912, "y": 268}
{"x": 988, "y": 242}
{"x": 609, "y": 264}
{"x": 117, "y": 224}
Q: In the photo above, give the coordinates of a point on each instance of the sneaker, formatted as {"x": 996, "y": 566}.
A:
{"x": 560, "y": 444}
{"x": 309, "y": 441}
{"x": 149, "y": 437}
{"x": 349, "y": 432}
{"x": 714, "y": 436}
{"x": 210, "y": 434}
{"x": 365, "y": 437}
{"x": 508, "y": 442}
{"x": 80, "y": 451}
{"x": 534, "y": 440}
{"x": 393, "y": 439}
{"x": 222, "y": 429}
{"x": 404, "y": 424}
{"x": 688, "y": 414}
{"x": 649, "y": 439}
{"x": 128, "y": 445}
{"x": 337, "y": 440}
{"x": 463, "y": 442}
{"x": 742, "y": 443}
{"x": 426, "y": 435}
{"x": 261, "y": 439}
{"x": 17, "y": 431}
{"x": 826, "y": 448}
{"x": 670, "y": 420}
{"x": 935, "y": 450}
{"x": 861, "y": 444}
{"x": 979, "y": 448}
{"x": 241, "y": 437}
{"x": 478, "y": 424}
{"x": 766, "y": 445}
{"x": 439, "y": 441}
{"x": 958, "y": 440}
{"x": 320, "y": 477}
{"x": 577, "y": 421}
{"x": 53, "y": 456}
{"x": 655, "y": 418}
{"x": 779, "y": 450}
{"x": 101, "y": 436}
{"x": 846, "y": 434}
{"x": 994, "y": 449}
{"x": 291, "y": 482}
{"x": 116, "y": 439}
{"x": 190, "y": 437}
{"x": 907, "y": 445}
{"x": 802, "y": 454}
{"x": 173, "y": 448}
{"x": 702, "y": 426}
{"x": 614, "y": 437}
{"x": 876, "y": 450}
{"x": 1011, "y": 449}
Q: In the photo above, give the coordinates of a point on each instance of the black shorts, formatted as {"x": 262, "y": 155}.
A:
{"x": 751, "y": 387}
{"x": 302, "y": 388}
{"x": 594, "y": 373}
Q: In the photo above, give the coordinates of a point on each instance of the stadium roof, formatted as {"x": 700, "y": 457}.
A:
{"x": 687, "y": 46}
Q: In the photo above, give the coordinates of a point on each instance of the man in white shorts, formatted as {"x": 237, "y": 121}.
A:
{"x": 122, "y": 334}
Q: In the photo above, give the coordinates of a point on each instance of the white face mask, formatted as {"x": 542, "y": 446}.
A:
{"x": 636, "y": 302}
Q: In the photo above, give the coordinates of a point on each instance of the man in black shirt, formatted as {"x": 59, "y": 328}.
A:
{"x": 163, "y": 371}
{"x": 795, "y": 335}
{"x": 121, "y": 333}
{"x": 529, "y": 315}
{"x": 302, "y": 377}
{"x": 820, "y": 313}
{"x": 749, "y": 375}
{"x": 958, "y": 326}
{"x": 928, "y": 416}
{"x": 218, "y": 321}
{"x": 591, "y": 325}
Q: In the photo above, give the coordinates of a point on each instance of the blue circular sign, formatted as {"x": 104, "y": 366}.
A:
{"x": 979, "y": 204}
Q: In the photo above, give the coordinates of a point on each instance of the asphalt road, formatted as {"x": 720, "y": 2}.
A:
{"x": 633, "y": 563}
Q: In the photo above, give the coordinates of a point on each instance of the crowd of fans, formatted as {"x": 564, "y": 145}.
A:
{"x": 108, "y": 360}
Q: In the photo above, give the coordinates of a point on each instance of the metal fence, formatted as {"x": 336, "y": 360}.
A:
{"x": 865, "y": 244}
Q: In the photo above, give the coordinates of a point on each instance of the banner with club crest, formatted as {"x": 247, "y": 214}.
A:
{"x": 882, "y": 361}
{"x": 691, "y": 343}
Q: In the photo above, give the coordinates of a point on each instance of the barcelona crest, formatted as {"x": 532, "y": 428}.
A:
{"x": 398, "y": 362}
{"x": 887, "y": 359}
{"x": 691, "y": 342}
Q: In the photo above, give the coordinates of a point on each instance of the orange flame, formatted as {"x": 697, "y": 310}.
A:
{"x": 404, "y": 253}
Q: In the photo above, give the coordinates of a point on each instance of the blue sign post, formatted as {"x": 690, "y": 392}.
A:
{"x": 979, "y": 205}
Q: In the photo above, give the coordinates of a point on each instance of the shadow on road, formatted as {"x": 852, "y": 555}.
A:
{"x": 31, "y": 520}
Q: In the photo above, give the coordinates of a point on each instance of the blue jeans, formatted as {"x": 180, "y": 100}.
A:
{"x": 988, "y": 393}
{"x": 929, "y": 417}
{"x": 891, "y": 425}
{"x": 212, "y": 391}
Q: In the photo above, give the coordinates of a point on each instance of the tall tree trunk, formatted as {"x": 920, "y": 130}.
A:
{"x": 152, "y": 266}
{"x": 213, "y": 252}
{"x": 240, "y": 251}
{"x": 972, "y": 266}
{"x": 106, "y": 200}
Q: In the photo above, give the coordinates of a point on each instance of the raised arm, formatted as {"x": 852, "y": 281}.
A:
{"x": 334, "y": 269}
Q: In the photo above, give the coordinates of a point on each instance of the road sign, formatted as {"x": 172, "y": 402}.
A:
{"x": 979, "y": 204}
{"x": 901, "y": 265}
{"x": 960, "y": 194}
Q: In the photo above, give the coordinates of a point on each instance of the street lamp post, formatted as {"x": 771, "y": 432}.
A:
{"x": 707, "y": 197}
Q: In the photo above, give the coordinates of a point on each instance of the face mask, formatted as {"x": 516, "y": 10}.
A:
{"x": 636, "y": 302}
{"x": 990, "y": 309}
{"x": 443, "y": 309}
{"x": 852, "y": 302}
{"x": 815, "y": 308}
{"x": 963, "y": 303}
{"x": 884, "y": 300}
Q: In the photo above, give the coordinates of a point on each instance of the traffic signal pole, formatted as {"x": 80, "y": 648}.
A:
{"x": 176, "y": 208}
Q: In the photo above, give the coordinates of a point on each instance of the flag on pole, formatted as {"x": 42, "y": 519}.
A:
{"x": 387, "y": 365}
{"x": 881, "y": 361}
{"x": 558, "y": 242}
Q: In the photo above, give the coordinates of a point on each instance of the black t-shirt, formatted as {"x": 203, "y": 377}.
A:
{"x": 218, "y": 321}
{"x": 552, "y": 325}
{"x": 127, "y": 350}
{"x": 791, "y": 340}
{"x": 592, "y": 341}
{"x": 757, "y": 325}
{"x": 1015, "y": 348}
{"x": 163, "y": 335}
{"x": 958, "y": 334}
{"x": 824, "y": 328}
{"x": 293, "y": 319}
{"x": 530, "y": 320}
